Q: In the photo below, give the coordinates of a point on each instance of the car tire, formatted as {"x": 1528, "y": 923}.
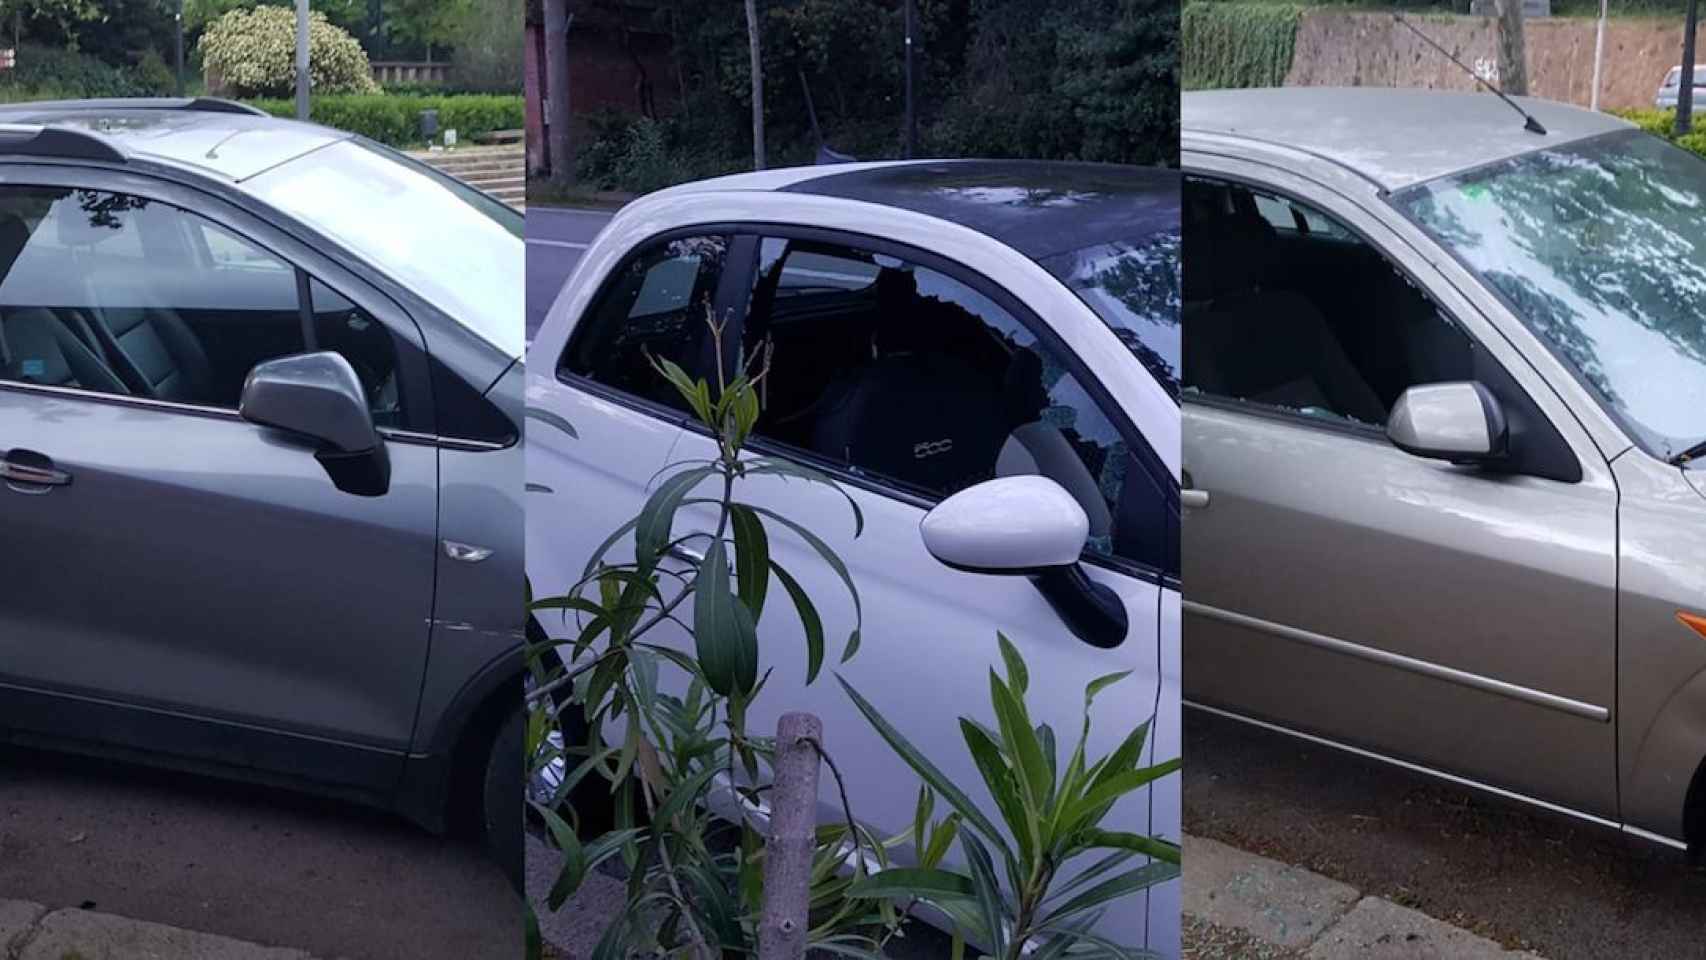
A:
{"x": 501, "y": 808}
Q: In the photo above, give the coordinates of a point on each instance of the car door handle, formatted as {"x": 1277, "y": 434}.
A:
{"x": 682, "y": 551}
{"x": 1193, "y": 499}
{"x": 26, "y": 471}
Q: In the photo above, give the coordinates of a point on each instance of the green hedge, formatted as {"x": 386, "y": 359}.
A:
{"x": 396, "y": 119}
{"x": 1662, "y": 123}
{"x": 50, "y": 73}
{"x": 1235, "y": 45}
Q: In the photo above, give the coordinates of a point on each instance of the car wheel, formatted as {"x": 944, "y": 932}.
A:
{"x": 500, "y": 798}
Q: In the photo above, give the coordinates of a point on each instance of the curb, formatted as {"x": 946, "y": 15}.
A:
{"x": 1237, "y": 904}
{"x": 31, "y": 931}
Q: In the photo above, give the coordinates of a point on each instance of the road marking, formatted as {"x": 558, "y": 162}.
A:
{"x": 562, "y": 243}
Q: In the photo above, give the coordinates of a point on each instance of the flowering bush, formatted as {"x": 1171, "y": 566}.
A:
{"x": 253, "y": 53}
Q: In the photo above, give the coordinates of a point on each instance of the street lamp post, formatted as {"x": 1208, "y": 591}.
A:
{"x": 301, "y": 59}
{"x": 178, "y": 55}
{"x": 1685, "y": 93}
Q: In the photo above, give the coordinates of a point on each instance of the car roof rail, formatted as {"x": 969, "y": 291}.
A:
{"x": 196, "y": 104}
{"x": 65, "y": 143}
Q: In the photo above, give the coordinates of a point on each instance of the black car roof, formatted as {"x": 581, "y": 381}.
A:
{"x": 1039, "y": 208}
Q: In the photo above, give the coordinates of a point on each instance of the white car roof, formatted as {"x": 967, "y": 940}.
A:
{"x": 1392, "y": 137}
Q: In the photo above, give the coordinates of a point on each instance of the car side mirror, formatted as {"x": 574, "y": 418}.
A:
{"x": 317, "y": 396}
{"x": 1029, "y": 526}
{"x": 1461, "y": 422}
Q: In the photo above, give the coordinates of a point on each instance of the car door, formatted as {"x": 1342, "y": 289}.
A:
{"x": 928, "y": 632}
{"x": 181, "y": 581}
{"x": 601, "y": 422}
{"x": 1456, "y": 618}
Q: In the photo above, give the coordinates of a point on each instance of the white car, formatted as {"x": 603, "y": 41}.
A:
{"x": 1671, "y": 90}
{"x": 936, "y": 325}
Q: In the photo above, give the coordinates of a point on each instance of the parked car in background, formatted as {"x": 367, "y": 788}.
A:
{"x": 260, "y": 407}
{"x": 934, "y": 326}
{"x": 1671, "y": 89}
{"x": 1445, "y": 442}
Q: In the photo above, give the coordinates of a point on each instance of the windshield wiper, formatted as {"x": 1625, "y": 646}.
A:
{"x": 1690, "y": 455}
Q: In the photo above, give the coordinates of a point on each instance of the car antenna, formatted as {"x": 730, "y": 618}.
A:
{"x": 1531, "y": 125}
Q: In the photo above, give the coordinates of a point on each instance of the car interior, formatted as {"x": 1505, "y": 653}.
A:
{"x": 116, "y": 294}
{"x": 1286, "y": 308}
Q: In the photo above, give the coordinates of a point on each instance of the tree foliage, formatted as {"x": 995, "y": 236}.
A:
{"x": 254, "y": 54}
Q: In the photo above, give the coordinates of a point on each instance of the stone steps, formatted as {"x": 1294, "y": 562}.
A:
{"x": 499, "y": 171}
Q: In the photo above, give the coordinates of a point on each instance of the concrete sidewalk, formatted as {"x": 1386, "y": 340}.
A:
{"x": 30, "y": 931}
{"x": 1240, "y": 905}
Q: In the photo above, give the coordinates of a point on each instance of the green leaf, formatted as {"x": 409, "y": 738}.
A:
{"x": 597, "y": 557}
{"x": 1112, "y": 861}
{"x": 1122, "y": 885}
{"x": 809, "y": 620}
{"x": 1102, "y": 683}
{"x": 988, "y": 890}
{"x": 1003, "y": 786}
{"x": 834, "y": 562}
{"x": 921, "y": 815}
{"x": 697, "y": 393}
{"x": 785, "y": 468}
{"x": 900, "y": 882}
{"x": 1021, "y": 740}
{"x": 937, "y": 780}
{"x": 941, "y": 839}
{"x": 657, "y": 517}
{"x": 684, "y": 794}
{"x": 1113, "y": 788}
{"x": 1136, "y": 843}
{"x": 724, "y": 635}
{"x": 852, "y": 646}
{"x": 1017, "y": 676}
{"x": 752, "y": 559}
{"x": 574, "y": 858}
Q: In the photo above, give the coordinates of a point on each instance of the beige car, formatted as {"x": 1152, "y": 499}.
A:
{"x": 1445, "y": 442}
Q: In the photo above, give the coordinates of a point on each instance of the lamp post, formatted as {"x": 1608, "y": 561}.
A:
{"x": 301, "y": 59}
{"x": 178, "y": 54}
{"x": 1685, "y": 93}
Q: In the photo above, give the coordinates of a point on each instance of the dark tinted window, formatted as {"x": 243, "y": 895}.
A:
{"x": 907, "y": 377}
{"x": 658, "y": 305}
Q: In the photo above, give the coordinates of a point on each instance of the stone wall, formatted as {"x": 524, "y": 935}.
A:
{"x": 1372, "y": 50}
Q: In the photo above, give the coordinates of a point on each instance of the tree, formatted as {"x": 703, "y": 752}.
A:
{"x": 558, "y": 142}
{"x": 425, "y": 24}
{"x": 1513, "y": 50}
{"x": 757, "y": 85}
{"x": 1685, "y": 93}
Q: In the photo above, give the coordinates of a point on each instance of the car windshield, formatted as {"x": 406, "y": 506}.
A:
{"x": 454, "y": 246}
{"x": 1134, "y": 287}
{"x": 1598, "y": 247}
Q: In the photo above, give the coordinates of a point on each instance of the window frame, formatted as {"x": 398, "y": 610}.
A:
{"x": 192, "y": 201}
{"x": 1342, "y": 426}
{"x": 734, "y": 293}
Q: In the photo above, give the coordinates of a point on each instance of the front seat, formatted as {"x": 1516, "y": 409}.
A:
{"x": 918, "y": 412}
{"x": 1268, "y": 346}
{"x": 37, "y": 347}
{"x": 155, "y": 352}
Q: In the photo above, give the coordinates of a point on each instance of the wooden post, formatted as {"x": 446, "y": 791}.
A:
{"x": 793, "y": 838}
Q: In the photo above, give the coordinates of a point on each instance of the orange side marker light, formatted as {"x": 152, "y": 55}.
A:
{"x": 1693, "y": 621}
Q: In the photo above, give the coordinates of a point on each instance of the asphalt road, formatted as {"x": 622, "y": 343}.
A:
{"x": 1526, "y": 879}
{"x": 246, "y": 862}
{"x": 555, "y": 240}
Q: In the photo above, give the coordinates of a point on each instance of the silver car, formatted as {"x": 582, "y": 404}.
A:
{"x": 1672, "y": 86}
{"x": 1445, "y": 442}
{"x": 260, "y": 470}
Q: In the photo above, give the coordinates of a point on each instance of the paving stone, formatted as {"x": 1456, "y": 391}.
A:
{"x": 1377, "y": 929}
{"x": 85, "y": 935}
{"x": 1272, "y": 901}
